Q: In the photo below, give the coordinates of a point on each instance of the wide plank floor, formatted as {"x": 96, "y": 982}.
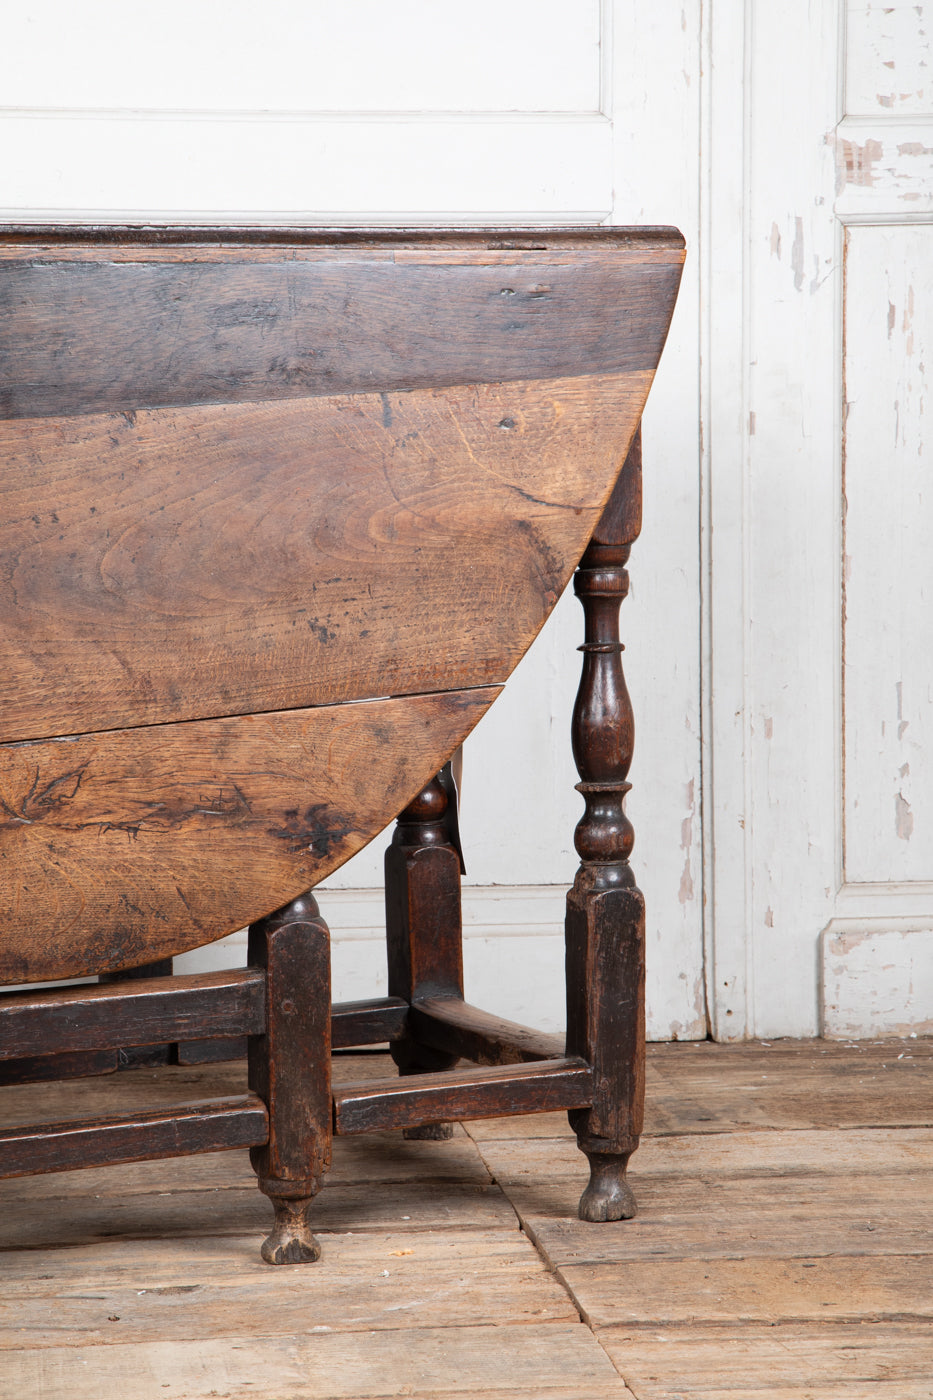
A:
{"x": 783, "y": 1249}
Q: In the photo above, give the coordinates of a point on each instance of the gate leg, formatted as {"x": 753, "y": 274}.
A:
{"x": 605, "y": 925}
{"x": 289, "y": 1067}
{"x": 423, "y": 926}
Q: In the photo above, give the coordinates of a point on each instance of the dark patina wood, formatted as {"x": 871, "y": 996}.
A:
{"x": 424, "y": 928}
{"x": 466, "y": 1093}
{"x": 203, "y": 318}
{"x": 446, "y": 1023}
{"x": 368, "y": 1022}
{"x": 33, "y": 1069}
{"x": 160, "y": 839}
{"x": 289, "y": 1067}
{"x": 605, "y": 925}
{"x": 247, "y": 477}
{"x": 216, "y": 1125}
{"x": 203, "y": 1004}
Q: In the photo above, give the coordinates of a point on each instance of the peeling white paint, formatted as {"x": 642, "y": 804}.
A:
{"x": 686, "y": 891}
{"x": 888, "y": 800}
{"x": 888, "y": 58}
{"x": 903, "y": 818}
{"x": 877, "y": 980}
{"x": 797, "y": 254}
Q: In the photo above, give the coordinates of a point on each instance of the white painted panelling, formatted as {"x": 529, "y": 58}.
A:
{"x": 889, "y": 56}
{"x": 515, "y": 976}
{"x": 912, "y": 900}
{"x": 513, "y": 950}
{"x": 877, "y": 980}
{"x": 772, "y": 293}
{"x": 889, "y": 565}
{"x": 656, "y": 83}
{"x": 519, "y": 807}
{"x": 883, "y": 165}
{"x": 724, "y": 412}
{"x": 787, "y": 173}
{"x": 315, "y": 171}
{"x": 355, "y": 55}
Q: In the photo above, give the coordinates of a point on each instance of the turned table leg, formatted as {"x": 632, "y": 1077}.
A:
{"x": 423, "y": 926}
{"x": 289, "y": 1067}
{"x": 605, "y": 925}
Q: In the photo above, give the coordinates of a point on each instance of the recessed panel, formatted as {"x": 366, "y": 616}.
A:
{"x": 363, "y": 55}
{"x": 889, "y": 57}
{"x": 888, "y": 655}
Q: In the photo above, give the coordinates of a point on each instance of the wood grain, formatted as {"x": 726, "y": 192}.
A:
{"x": 81, "y": 336}
{"x": 146, "y": 1012}
{"x": 884, "y": 1359}
{"x": 62, "y": 1222}
{"x": 750, "y": 1326}
{"x": 213, "y": 1126}
{"x": 447, "y": 1023}
{"x": 746, "y": 1156}
{"x": 177, "y": 564}
{"x": 367, "y": 1022}
{"x": 546, "y": 1361}
{"x": 119, "y": 848}
{"x": 466, "y": 1093}
{"x": 791, "y": 1084}
{"x": 440, "y": 1279}
{"x": 289, "y": 1068}
{"x": 889, "y": 1287}
{"x": 771, "y": 1218}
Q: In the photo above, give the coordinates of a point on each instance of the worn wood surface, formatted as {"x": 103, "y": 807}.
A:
{"x": 289, "y": 1068}
{"x": 367, "y": 1023}
{"x": 145, "y": 842}
{"x": 141, "y": 1013}
{"x": 605, "y": 919}
{"x": 140, "y": 1285}
{"x": 767, "y": 1262}
{"x": 32, "y": 1068}
{"x": 794, "y": 1231}
{"x": 549, "y": 1361}
{"x": 803, "y": 1361}
{"x": 447, "y": 1023}
{"x": 91, "y": 329}
{"x": 480, "y": 1093}
{"x": 245, "y": 478}
{"x": 294, "y": 553}
{"x": 424, "y": 926}
{"x": 214, "y": 1125}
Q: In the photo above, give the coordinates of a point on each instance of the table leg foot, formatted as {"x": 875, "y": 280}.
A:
{"x": 291, "y": 1240}
{"x": 608, "y": 1195}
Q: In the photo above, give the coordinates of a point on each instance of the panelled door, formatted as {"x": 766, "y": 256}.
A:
{"x": 820, "y": 355}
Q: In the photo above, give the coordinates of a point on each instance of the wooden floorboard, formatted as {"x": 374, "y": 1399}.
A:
{"x": 546, "y": 1362}
{"x": 893, "y": 1361}
{"x": 783, "y": 1246}
{"x": 782, "y": 1250}
{"x": 109, "y": 1293}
